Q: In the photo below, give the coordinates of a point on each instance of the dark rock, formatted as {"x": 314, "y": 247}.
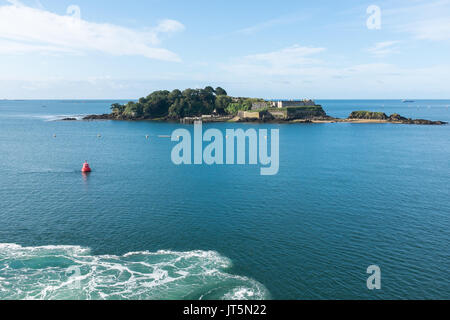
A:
{"x": 425, "y": 122}
{"x": 69, "y": 119}
{"x": 396, "y": 118}
{"x": 368, "y": 115}
{"x": 99, "y": 117}
{"x": 267, "y": 116}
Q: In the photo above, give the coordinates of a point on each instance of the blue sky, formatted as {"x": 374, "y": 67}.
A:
{"x": 273, "y": 49}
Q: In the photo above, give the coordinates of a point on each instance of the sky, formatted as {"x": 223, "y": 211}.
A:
{"x": 110, "y": 49}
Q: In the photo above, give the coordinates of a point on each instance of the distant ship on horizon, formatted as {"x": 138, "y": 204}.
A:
{"x": 407, "y": 101}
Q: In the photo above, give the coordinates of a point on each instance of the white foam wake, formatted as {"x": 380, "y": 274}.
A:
{"x": 72, "y": 272}
{"x": 48, "y": 118}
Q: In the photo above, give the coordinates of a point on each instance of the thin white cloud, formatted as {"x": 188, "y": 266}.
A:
{"x": 424, "y": 20}
{"x": 25, "y": 29}
{"x": 287, "y": 60}
{"x": 430, "y": 29}
{"x": 169, "y": 26}
{"x": 382, "y": 49}
{"x": 296, "y": 70}
{"x": 17, "y": 48}
{"x": 291, "y": 55}
{"x": 373, "y": 80}
{"x": 286, "y": 20}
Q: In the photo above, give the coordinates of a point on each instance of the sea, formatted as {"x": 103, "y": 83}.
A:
{"x": 346, "y": 197}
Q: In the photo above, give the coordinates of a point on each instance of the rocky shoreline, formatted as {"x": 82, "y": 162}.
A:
{"x": 354, "y": 117}
{"x": 215, "y": 105}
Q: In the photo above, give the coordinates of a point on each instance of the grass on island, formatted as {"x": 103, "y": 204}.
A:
{"x": 368, "y": 115}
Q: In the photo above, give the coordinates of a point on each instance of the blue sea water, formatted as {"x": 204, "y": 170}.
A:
{"x": 347, "y": 196}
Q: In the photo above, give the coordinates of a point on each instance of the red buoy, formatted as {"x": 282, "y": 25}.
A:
{"x": 86, "y": 167}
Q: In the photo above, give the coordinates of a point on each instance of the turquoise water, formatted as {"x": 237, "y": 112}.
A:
{"x": 347, "y": 196}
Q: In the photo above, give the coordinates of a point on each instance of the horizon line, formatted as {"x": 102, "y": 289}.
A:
{"x": 268, "y": 99}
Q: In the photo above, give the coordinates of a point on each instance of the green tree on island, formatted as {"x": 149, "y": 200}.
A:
{"x": 178, "y": 104}
{"x": 220, "y": 92}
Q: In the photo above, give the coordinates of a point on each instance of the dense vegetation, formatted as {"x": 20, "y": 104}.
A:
{"x": 368, "y": 115}
{"x": 188, "y": 103}
{"x": 245, "y": 104}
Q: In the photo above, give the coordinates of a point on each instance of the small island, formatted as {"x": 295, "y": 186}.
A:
{"x": 215, "y": 105}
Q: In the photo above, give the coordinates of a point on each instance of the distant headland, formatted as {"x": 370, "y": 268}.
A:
{"x": 215, "y": 105}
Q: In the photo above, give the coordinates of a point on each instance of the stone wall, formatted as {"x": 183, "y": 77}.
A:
{"x": 278, "y": 113}
{"x": 249, "y": 115}
{"x": 291, "y": 113}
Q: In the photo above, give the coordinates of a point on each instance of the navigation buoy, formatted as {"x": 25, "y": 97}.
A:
{"x": 86, "y": 167}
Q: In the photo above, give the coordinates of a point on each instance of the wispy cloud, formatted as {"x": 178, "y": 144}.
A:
{"x": 286, "y": 20}
{"x": 25, "y": 29}
{"x": 430, "y": 29}
{"x": 287, "y": 60}
{"x": 296, "y": 69}
{"x": 424, "y": 20}
{"x": 382, "y": 49}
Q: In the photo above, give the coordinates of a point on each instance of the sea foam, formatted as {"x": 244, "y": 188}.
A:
{"x": 72, "y": 272}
